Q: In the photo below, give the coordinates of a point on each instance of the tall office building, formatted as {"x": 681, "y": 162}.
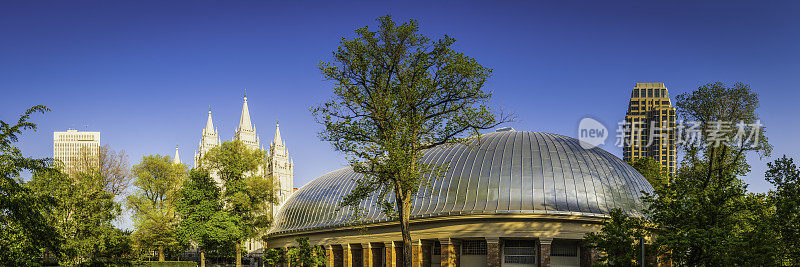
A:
{"x": 69, "y": 146}
{"x": 650, "y": 126}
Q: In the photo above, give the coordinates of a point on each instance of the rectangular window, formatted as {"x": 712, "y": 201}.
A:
{"x": 519, "y": 251}
{"x": 649, "y": 92}
{"x": 564, "y": 248}
{"x": 473, "y": 247}
{"x": 635, "y": 92}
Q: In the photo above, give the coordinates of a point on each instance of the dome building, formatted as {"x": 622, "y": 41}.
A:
{"x": 510, "y": 198}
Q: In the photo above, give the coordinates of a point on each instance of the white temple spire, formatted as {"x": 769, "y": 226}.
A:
{"x": 208, "y": 140}
{"x": 247, "y": 131}
{"x": 244, "y": 120}
{"x": 209, "y": 123}
{"x": 281, "y": 166}
{"x": 177, "y": 159}
{"x": 277, "y": 138}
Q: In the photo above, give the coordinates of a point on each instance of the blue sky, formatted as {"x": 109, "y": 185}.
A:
{"x": 143, "y": 73}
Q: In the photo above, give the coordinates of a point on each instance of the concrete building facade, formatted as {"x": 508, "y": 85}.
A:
{"x": 69, "y": 146}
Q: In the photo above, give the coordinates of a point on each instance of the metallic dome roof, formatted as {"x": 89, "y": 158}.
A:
{"x": 508, "y": 172}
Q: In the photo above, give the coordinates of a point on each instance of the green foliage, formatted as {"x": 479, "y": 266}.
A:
{"x": 716, "y": 102}
{"x": 83, "y": 216}
{"x": 705, "y": 217}
{"x": 619, "y": 241}
{"x": 397, "y": 92}
{"x": 203, "y": 221}
{"x": 158, "y": 182}
{"x": 652, "y": 170}
{"x": 247, "y": 193}
{"x": 118, "y": 250}
{"x": 305, "y": 254}
{"x": 24, "y": 231}
{"x": 757, "y": 241}
{"x": 274, "y": 256}
{"x": 785, "y": 176}
{"x": 702, "y": 226}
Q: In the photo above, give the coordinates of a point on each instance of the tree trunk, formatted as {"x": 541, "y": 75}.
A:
{"x": 160, "y": 253}
{"x": 238, "y": 254}
{"x": 202, "y": 258}
{"x": 404, "y": 206}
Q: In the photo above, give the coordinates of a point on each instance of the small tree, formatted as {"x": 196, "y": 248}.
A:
{"x": 396, "y": 94}
{"x": 158, "y": 182}
{"x": 110, "y": 165}
{"x": 247, "y": 191}
{"x": 203, "y": 221}
{"x": 305, "y": 255}
{"x": 274, "y": 256}
{"x": 619, "y": 241}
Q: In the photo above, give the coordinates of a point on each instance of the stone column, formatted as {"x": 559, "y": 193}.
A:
{"x": 427, "y": 252}
{"x": 391, "y": 256}
{"x": 457, "y": 248}
{"x": 347, "y": 255}
{"x": 493, "y": 252}
{"x": 448, "y": 252}
{"x": 544, "y": 251}
{"x": 366, "y": 255}
{"x": 416, "y": 253}
{"x": 329, "y": 256}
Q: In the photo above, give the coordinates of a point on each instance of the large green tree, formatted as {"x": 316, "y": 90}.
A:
{"x": 785, "y": 176}
{"x": 247, "y": 191}
{"x": 703, "y": 216}
{"x": 396, "y": 93}
{"x": 24, "y": 231}
{"x": 86, "y": 205}
{"x": 203, "y": 220}
{"x": 158, "y": 182}
{"x": 83, "y": 216}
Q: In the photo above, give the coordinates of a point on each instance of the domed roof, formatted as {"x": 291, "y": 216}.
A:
{"x": 509, "y": 172}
